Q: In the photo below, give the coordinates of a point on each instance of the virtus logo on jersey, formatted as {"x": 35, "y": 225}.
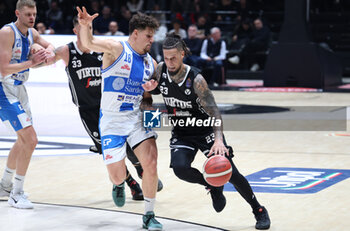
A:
{"x": 294, "y": 180}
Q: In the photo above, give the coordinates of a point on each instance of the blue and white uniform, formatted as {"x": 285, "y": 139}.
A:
{"x": 122, "y": 91}
{"x": 14, "y": 105}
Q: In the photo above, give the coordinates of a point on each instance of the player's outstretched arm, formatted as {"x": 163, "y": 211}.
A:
{"x": 88, "y": 40}
{"x": 62, "y": 52}
{"x": 207, "y": 101}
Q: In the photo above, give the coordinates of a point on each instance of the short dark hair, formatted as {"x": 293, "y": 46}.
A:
{"x": 75, "y": 21}
{"x": 140, "y": 21}
{"x": 173, "y": 40}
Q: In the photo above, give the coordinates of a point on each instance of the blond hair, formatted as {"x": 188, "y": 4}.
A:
{"x": 22, "y": 3}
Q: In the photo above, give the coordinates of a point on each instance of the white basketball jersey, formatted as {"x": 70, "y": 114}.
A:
{"x": 122, "y": 81}
{"x": 20, "y": 53}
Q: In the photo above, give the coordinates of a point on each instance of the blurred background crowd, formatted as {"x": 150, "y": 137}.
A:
{"x": 221, "y": 34}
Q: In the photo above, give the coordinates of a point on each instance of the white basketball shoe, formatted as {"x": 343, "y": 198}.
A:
{"x": 20, "y": 201}
{"x": 5, "y": 190}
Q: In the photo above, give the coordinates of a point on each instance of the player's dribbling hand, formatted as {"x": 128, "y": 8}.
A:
{"x": 218, "y": 148}
{"x": 150, "y": 85}
{"x": 84, "y": 18}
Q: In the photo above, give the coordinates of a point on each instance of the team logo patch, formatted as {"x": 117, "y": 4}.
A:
{"x": 294, "y": 180}
{"x": 187, "y": 91}
{"x": 126, "y": 66}
{"x": 118, "y": 84}
{"x": 188, "y": 83}
{"x": 121, "y": 97}
{"x": 151, "y": 119}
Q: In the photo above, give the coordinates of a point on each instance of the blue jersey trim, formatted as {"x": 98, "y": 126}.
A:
{"x": 144, "y": 55}
{"x": 14, "y": 32}
{"x": 109, "y": 67}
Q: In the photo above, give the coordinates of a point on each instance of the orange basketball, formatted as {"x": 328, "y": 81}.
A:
{"x": 217, "y": 170}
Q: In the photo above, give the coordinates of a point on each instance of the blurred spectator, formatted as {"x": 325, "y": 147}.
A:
{"x": 179, "y": 10}
{"x": 54, "y": 16}
{"x": 241, "y": 35}
{"x": 196, "y": 8}
{"x": 41, "y": 28}
{"x": 101, "y": 23}
{"x": 161, "y": 17}
{"x": 42, "y": 7}
{"x": 259, "y": 41}
{"x": 113, "y": 29}
{"x": 161, "y": 3}
{"x": 225, "y": 5}
{"x": 178, "y": 30}
{"x": 159, "y": 36}
{"x": 194, "y": 44}
{"x": 123, "y": 22}
{"x": 134, "y": 5}
{"x": 243, "y": 9}
{"x": 203, "y": 27}
{"x": 213, "y": 55}
{"x": 94, "y": 7}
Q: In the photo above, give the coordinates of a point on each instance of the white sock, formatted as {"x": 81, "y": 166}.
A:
{"x": 149, "y": 204}
{"x": 7, "y": 177}
{"x": 18, "y": 184}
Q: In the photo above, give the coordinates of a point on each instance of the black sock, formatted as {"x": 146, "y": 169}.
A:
{"x": 139, "y": 169}
{"x": 128, "y": 178}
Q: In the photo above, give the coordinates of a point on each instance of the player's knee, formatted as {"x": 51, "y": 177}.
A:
{"x": 180, "y": 172}
{"x": 150, "y": 165}
{"x": 30, "y": 142}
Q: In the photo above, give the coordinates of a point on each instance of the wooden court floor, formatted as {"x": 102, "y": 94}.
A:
{"x": 81, "y": 180}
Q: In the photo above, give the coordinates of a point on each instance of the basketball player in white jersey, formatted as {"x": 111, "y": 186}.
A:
{"x": 126, "y": 66}
{"x": 16, "y": 39}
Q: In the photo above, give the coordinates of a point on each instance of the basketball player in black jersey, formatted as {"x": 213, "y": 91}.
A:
{"x": 187, "y": 97}
{"x": 83, "y": 69}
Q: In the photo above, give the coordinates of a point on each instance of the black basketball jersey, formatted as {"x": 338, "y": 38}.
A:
{"x": 183, "y": 104}
{"x": 84, "y": 74}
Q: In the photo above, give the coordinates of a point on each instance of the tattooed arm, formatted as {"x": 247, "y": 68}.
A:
{"x": 208, "y": 103}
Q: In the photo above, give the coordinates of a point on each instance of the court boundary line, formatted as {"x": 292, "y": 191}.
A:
{"x": 127, "y": 212}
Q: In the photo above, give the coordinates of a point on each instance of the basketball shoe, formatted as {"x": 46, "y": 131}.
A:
{"x": 150, "y": 223}
{"x": 118, "y": 194}
{"x": 20, "y": 201}
{"x": 5, "y": 190}
{"x": 136, "y": 191}
{"x": 262, "y": 218}
{"x": 219, "y": 200}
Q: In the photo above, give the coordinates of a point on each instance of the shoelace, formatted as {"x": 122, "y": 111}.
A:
{"x": 151, "y": 218}
{"x": 119, "y": 191}
{"x": 261, "y": 215}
